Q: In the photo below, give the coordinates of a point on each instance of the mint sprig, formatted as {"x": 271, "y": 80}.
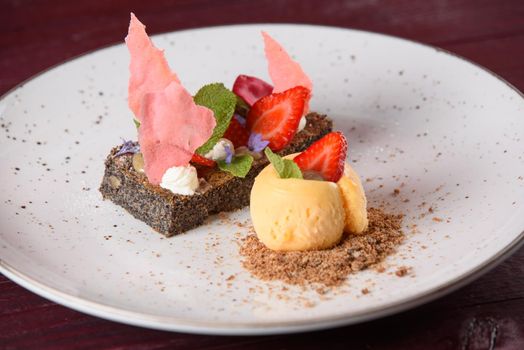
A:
{"x": 286, "y": 168}
{"x": 241, "y": 106}
{"x": 222, "y": 102}
{"x": 239, "y": 166}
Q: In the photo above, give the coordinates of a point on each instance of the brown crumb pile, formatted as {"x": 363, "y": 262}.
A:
{"x": 402, "y": 271}
{"x": 329, "y": 267}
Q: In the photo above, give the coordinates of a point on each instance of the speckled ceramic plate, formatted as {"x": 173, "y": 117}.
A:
{"x": 446, "y": 132}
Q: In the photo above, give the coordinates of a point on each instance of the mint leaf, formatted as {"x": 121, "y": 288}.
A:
{"x": 286, "y": 168}
{"x": 222, "y": 102}
{"x": 239, "y": 166}
{"x": 241, "y": 106}
{"x": 137, "y": 123}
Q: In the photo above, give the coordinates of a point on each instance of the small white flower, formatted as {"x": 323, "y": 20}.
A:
{"x": 219, "y": 150}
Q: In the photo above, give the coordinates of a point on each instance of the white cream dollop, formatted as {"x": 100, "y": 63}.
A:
{"x": 180, "y": 180}
{"x": 302, "y": 124}
{"x": 219, "y": 150}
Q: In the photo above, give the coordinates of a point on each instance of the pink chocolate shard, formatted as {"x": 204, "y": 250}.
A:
{"x": 283, "y": 70}
{"x": 149, "y": 69}
{"x": 251, "y": 89}
{"x": 172, "y": 128}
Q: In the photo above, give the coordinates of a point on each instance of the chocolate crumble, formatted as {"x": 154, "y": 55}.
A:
{"x": 329, "y": 267}
{"x": 402, "y": 271}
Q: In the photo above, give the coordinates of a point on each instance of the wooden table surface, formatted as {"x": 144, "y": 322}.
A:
{"x": 487, "y": 314}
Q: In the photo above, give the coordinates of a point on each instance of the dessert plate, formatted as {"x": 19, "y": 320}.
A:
{"x": 437, "y": 138}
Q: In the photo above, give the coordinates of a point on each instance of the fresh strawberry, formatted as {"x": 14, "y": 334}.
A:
{"x": 200, "y": 160}
{"x": 276, "y": 116}
{"x": 326, "y": 156}
{"x": 251, "y": 89}
{"x": 237, "y": 133}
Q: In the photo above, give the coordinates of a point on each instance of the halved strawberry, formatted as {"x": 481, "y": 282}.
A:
{"x": 200, "y": 160}
{"x": 237, "y": 133}
{"x": 276, "y": 116}
{"x": 325, "y": 156}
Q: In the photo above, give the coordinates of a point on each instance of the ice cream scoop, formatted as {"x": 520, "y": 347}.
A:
{"x": 354, "y": 201}
{"x": 297, "y": 214}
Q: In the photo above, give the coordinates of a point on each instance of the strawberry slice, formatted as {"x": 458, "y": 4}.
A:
{"x": 237, "y": 133}
{"x": 325, "y": 156}
{"x": 276, "y": 116}
{"x": 251, "y": 89}
{"x": 200, "y": 160}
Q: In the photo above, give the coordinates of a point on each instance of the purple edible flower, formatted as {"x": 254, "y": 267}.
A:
{"x": 128, "y": 147}
{"x": 229, "y": 154}
{"x": 240, "y": 119}
{"x": 255, "y": 142}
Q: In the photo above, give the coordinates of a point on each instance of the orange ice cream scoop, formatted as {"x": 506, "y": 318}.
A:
{"x": 354, "y": 201}
{"x": 297, "y": 215}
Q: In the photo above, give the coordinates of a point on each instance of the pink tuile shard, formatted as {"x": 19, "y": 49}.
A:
{"x": 283, "y": 70}
{"x": 149, "y": 69}
{"x": 172, "y": 128}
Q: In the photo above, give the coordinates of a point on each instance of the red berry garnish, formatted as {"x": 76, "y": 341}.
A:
{"x": 251, "y": 89}
{"x": 200, "y": 160}
{"x": 326, "y": 156}
{"x": 276, "y": 116}
{"x": 237, "y": 133}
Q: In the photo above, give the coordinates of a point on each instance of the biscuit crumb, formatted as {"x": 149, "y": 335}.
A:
{"x": 329, "y": 267}
{"x": 309, "y": 304}
{"x": 402, "y": 271}
{"x": 381, "y": 269}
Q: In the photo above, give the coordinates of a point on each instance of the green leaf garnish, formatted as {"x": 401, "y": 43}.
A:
{"x": 241, "y": 107}
{"x": 222, "y": 102}
{"x": 286, "y": 168}
{"x": 137, "y": 123}
{"x": 239, "y": 166}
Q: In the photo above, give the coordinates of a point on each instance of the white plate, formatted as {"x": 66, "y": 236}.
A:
{"x": 447, "y": 129}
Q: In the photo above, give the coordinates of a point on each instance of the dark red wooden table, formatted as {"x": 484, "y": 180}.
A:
{"x": 487, "y": 314}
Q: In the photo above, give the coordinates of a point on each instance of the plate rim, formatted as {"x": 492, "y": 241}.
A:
{"x": 166, "y": 323}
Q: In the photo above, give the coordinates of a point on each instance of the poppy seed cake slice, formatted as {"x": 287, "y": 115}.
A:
{"x": 171, "y": 214}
